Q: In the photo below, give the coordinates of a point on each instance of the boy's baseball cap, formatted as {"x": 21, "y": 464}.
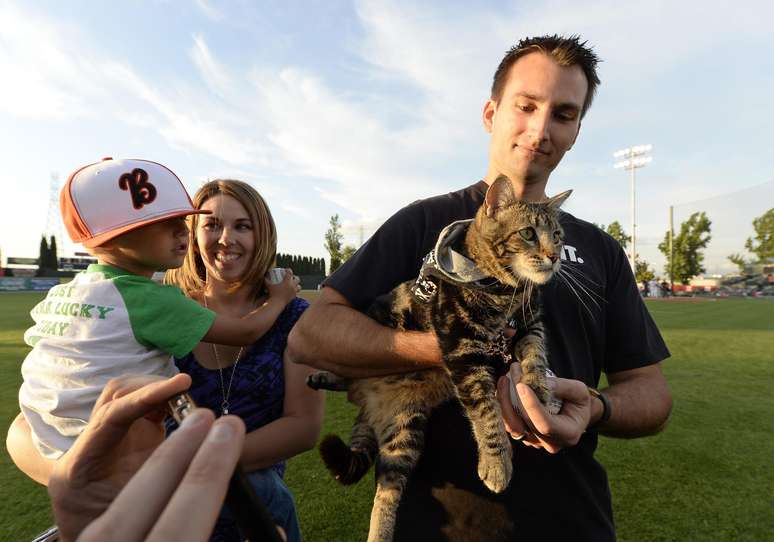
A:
{"x": 109, "y": 198}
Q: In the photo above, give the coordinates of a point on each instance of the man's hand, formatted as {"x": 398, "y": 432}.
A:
{"x": 124, "y": 430}
{"x": 529, "y": 421}
{"x": 179, "y": 491}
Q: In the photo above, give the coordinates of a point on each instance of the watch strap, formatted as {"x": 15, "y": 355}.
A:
{"x": 606, "y": 410}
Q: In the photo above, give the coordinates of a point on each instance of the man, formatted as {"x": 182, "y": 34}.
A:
{"x": 594, "y": 317}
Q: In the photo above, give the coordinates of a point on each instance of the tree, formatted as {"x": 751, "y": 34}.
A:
{"x": 333, "y": 239}
{"x": 47, "y": 256}
{"x": 694, "y": 236}
{"x": 763, "y": 243}
{"x": 347, "y": 252}
{"x": 43, "y": 252}
{"x": 617, "y": 232}
{"x": 738, "y": 260}
{"x": 53, "y": 261}
{"x": 643, "y": 272}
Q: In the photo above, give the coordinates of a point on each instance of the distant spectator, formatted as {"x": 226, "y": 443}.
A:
{"x": 654, "y": 290}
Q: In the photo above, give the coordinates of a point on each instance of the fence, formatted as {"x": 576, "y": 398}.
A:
{"x": 731, "y": 215}
{"x": 18, "y": 284}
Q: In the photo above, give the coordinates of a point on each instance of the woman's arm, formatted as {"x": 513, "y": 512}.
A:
{"x": 19, "y": 444}
{"x": 296, "y": 431}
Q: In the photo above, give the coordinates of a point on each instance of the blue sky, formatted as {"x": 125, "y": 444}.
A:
{"x": 358, "y": 108}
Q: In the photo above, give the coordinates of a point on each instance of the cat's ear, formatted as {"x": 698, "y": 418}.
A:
{"x": 500, "y": 194}
{"x": 557, "y": 201}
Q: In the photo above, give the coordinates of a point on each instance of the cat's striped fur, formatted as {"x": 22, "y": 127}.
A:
{"x": 518, "y": 245}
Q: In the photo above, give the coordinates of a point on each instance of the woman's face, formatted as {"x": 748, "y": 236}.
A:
{"x": 225, "y": 239}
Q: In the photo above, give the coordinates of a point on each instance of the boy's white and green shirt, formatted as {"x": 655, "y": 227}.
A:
{"x": 105, "y": 323}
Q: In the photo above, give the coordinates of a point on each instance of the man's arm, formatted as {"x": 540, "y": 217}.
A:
{"x": 640, "y": 403}
{"x": 333, "y": 336}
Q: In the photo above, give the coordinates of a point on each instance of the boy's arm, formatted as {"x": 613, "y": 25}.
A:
{"x": 19, "y": 444}
{"x": 333, "y": 336}
{"x": 246, "y": 330}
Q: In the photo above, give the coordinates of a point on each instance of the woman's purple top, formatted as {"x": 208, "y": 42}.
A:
{"x": 258, "y": 390}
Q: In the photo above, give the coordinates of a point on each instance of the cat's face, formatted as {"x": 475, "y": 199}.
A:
{"x": 531, "y": 241}
{"x": 525, "y": 239}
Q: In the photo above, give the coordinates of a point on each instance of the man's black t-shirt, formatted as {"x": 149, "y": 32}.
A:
{"x": 595, "y": 321}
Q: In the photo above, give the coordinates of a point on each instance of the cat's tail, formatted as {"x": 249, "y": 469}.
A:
{"x": 348, "y": 464}
{"x": 324, "y": 380}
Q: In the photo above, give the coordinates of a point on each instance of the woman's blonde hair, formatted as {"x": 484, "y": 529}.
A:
{"x": 191, "y": 277}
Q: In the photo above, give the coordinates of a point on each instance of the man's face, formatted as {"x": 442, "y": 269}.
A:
{"x": 536, "y": 119}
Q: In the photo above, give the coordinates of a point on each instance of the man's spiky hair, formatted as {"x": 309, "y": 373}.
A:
{"x": 566, "y": 51}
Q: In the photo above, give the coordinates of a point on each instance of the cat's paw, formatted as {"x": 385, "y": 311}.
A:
{"x": 323, "y": 380}
{"x": 538, "y": 380}
{"x": 316, "y": 380}
{"x": 495, "y": 471}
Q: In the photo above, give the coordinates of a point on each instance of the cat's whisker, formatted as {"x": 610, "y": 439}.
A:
{"x": 575, "y": 268}
{"x": 574, "y": 291}
{"x": 589, "y": 290}
{"x": 510, "y": 305}
{"x": 589, "y": 293}
{"x": 578, "y": 273}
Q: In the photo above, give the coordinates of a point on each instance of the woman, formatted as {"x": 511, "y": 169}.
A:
{"x": 232, "y": 249}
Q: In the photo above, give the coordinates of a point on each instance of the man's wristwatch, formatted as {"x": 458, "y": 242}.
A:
{"x": 605, "y": 406}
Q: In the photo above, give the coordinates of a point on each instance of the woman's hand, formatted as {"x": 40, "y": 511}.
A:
{"x": 285, "y": 290}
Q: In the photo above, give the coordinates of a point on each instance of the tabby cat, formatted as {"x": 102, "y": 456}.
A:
{"x": 515, "y": 245}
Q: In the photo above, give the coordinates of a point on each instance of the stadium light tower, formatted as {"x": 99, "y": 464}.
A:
{"x": 631, "y": 159}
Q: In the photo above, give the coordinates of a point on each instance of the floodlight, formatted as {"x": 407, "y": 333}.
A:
{"x": 635, "y": 159}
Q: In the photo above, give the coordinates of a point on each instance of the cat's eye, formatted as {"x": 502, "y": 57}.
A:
{"x": 528, "y": 234}
{"x": 557, "y": 237}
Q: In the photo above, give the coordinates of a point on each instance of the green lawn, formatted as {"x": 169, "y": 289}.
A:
{"x": 707, "y": 477}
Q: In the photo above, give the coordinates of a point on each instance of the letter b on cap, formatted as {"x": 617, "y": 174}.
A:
{"x": 136, "y": 182}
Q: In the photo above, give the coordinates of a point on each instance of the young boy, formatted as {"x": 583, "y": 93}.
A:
{"x": 112, "y": 319}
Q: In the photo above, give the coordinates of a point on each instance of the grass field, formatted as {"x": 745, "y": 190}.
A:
{"x": 707, "y": 477}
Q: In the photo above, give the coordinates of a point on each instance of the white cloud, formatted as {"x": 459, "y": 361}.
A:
{"x": 212, "y": 72}
{"x": 41, "y": 78}
{"x": 210, "y": 11}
